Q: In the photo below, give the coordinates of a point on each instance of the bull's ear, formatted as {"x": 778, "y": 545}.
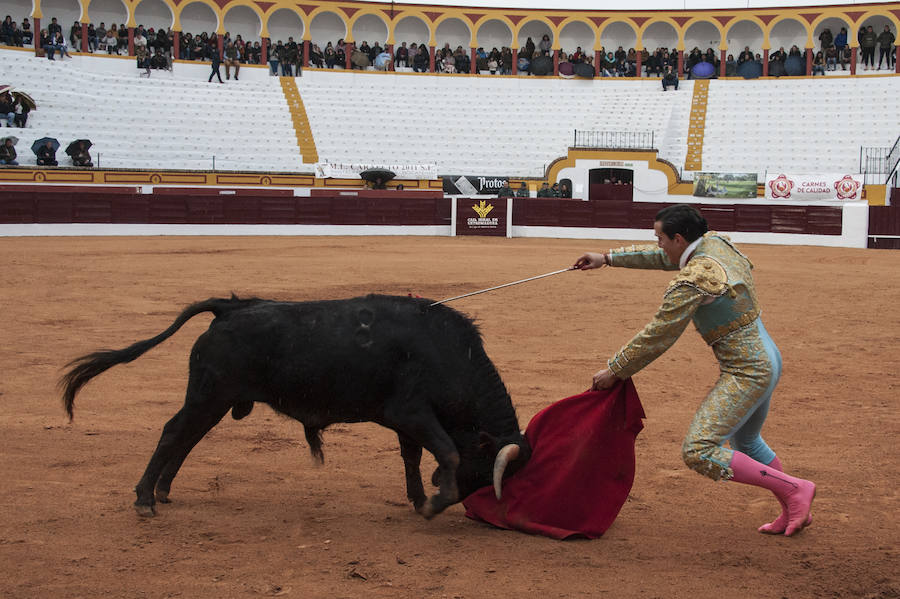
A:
{"x": 487, "y": 443}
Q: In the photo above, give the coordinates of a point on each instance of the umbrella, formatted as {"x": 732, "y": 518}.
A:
{"x": 776, "y": 68}
{"x": 566, "y": 69}
{"x": 542, "y": 65}
{"x": 359, "y": 59}
{"x": 795, "y": 66}
{"x": 25, "y": 100}
{"x": 40, "y": 142}
{"x": 582, "y": 69}
{"x": 73, "y": 147}
{"x": 5, "y": 88}
{"x": 14, "y": 139}
{"x": 750, "y": 70}
{"x": 377, "y": 176}
{"x": 703, "y": 70}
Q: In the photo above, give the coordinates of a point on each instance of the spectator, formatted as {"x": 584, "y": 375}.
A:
{"x": 216, "y": 61}
{"x": 112, "y": 40}
{"x": 140, "y": 42}
{"x": 100, "y": 35}
{"x": 652, "y": 64}
{"x": 8, "y": 153}
{"x": 401, "y": 56}
{"x": 22, "y": 111}
{"x": 461, "y": 61}
{"x": 383, "y": 60}
{"x": 819, "y": 64}
{"x": 7, "y": 109}
{"x": 795, "y": 51}
{"x": 608, "y": 67}
{"x": 840, "y": 40}
{"x": 493, "y": 61}
{"x": 620, "y": 54}
{"x": 885, "y": 47}
{"x": 81, "y": 157}
{"x": 730, "y": 66}
{"x": 564, "y": 191}
{"x": 231, "y": 60}
{"x": 8, "y": 33}
{"x": 315, "y": 56}
{"x": 330, "y": 56}
{"x": 505, "y": 191}
{"x": 670, "y": 78}
{"x": 142, "y": 55}
{"x": 421, "y": 60}
{"x": 831, "y": 58}
{"x": 554, "y": 190}
{"x": 522, "y": 192}
{"x": 49, "y": 49}
{"x": 867, "y": 43}
{"x": 92, "y": 38}
{"x": 162, "y": 44}
{"x": 291, "y": 58}
{"x": 256, "y": 53}
{"x": 528, "y": 50}
{"x": 122, "y": 41}
{"x": 745, "y": 56}
{"x": 27, "y": 34}
{"x": 845, "y": 57}
{"x": 826, "y": 39}
{"x": 53, "y": 27}
{"x": 778, "y": 56}
{"x": 544, "y": 191}
{"x": 374, "y": 52}
{"x": 46, "y": 155}
{"x": 545, "y": 45}
{"x": 75, "y": 35}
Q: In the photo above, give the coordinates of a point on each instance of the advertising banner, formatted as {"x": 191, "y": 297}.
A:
{"x": 481, "y": 217}
{"x": 725, "y": 185}
{"x": 351, "y": 170}
{"x": 462, "y": 185}
{"x": 816, "y": 186}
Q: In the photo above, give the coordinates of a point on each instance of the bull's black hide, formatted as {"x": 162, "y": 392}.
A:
{"x": 418, "y": 369}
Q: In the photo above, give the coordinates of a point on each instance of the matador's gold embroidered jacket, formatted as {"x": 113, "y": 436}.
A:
{"x": 715, "y": 290}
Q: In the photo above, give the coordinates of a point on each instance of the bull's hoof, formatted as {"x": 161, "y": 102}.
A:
{"x": 428, "y": 510}
{"x": 162, "y": 496}
{"x": 145, "y": 511}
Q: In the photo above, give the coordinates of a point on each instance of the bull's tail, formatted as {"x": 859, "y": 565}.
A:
{"x": 86, "y": 367}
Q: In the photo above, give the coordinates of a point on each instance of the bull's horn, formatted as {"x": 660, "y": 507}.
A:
{"x": 504, "y": 457}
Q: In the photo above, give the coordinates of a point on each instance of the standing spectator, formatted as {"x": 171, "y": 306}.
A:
{"x": 273, "y": 57}
{"x": 92, "y": 38}
{"x": 53, "y": 27}
{"x": 161, "y": 44}
{"x": 401, "y": 56}
{"x": 795, "y": 51}
{"x": 670, "y": 78}
{"x": 545, "y": 44}
{"x": 216, "y": 61}
{"x": 292, "y": 57}
{"x": 231, "y": 60}
{"x": 885, "y": 47}
{"x": 554, "y": 190}
{"x": 27, "y": 34}
{"x": 493, "y": 61}
{"x": 826, "y": 39}
{"x": 745, "y": 56}
{"x": 867, "y": 43}
{"x": 411, "y": 53}
{"x": 100, "y": 34}
{"x": 819, "y": 64}
{"x": 522, "y": 192}
{"x": 840, "y": 40}
{"x": 46, "y": 155}
{"x": 284, "y": 60}
{"x": 330, "y": 56}
{"x": 506, "y": 60}
{"x": 730, "y": 66}
{"x": 8, "y": 153}
{"x": 140, "y": 41}
{"x": 564, "y": 191}
{"x": 528, "y": 51}
{"x": 122, "y": 41}
{"x": 544, "y": 191}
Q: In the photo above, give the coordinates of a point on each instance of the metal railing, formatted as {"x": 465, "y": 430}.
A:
{"x": 893, "y": 159}
{"x": 873, "y": 163}
{"x": 615, "y": 140}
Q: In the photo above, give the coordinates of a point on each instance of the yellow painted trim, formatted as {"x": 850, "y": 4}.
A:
{"x": 876, "y": 195}
{"x": 303, "y": 132}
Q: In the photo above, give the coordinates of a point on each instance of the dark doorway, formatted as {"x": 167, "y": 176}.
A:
{"x": 611, "y": 184}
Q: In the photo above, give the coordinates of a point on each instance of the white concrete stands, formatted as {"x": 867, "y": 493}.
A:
{"x": 100, "y": 229}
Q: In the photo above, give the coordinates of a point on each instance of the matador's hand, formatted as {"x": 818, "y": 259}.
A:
{"x": 591, "y": 260}
{"x": 604, "y": 380}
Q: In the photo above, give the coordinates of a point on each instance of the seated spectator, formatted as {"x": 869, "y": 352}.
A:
{"x": 522, "y": 192}
{"x": 421, "y": 61}
{"x": 819, "y": 64}
{"x": 670, "y": 78}
{"x": 140, "y": 42}
{"x": 831, "y": 58}
{"x": 608, "y": 67}
{"x": 374, "y": 52}
{"x": 62, "y": 45}
{"x": 22, "y": 111}
{"x": 778, "y": 55}
{"x": 730, "y": 66}
{"x": 795, "y": 51}
{"x": 231, "y": 60}
{"x": 45, "y": 44}
{"x": 81, "y": 157}
{"x": 75, "y": 35}
{"x": 401, "y": 56}
{"x": 745, "y": 56}
{"x": 8, "y": 153}
{"x": 142, "y": 55}
{"x": 7, "y": 109}
{"x": 461, "y": 61}
{"x": 27, "y": 34}
{"x": 256, "y": 53}
{"x": 846, "y": 56}
{"x": 92, "y": 38}
{"x": 411, "y": 53}
{"x": 122, "y": 42}
{"x": 46, "y": 155}
{"x": 329, "y": 55}
{"x": 9, "y": 32}
{"x": 112, "y": 40}
{"x": 652, "y": 64}
{"x": 316, "y": 58}
{"x": 449, "y": 63}
{"x": 383, "y": 61}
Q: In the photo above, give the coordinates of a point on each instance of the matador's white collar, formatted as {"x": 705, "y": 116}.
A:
{"x": 686, "y": 254}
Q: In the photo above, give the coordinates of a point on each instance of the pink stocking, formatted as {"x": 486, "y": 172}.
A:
{"x": 794, "y": 494}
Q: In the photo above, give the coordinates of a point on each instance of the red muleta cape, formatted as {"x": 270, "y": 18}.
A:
{"x": 580, "y": 472}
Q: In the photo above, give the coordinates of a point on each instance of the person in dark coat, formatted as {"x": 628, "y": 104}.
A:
{"x": 8, "y": 153}
{"x": 81, "y": 157}
{"x": 885, "y": 47}
{"x": 216, "y": 62}
{"x": 46, "y": 155}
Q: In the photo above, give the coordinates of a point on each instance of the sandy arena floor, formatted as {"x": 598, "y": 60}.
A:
{"x": 251, "y": 516}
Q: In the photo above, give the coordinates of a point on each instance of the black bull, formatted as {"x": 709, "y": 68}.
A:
{"x": 417, "y": 369}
